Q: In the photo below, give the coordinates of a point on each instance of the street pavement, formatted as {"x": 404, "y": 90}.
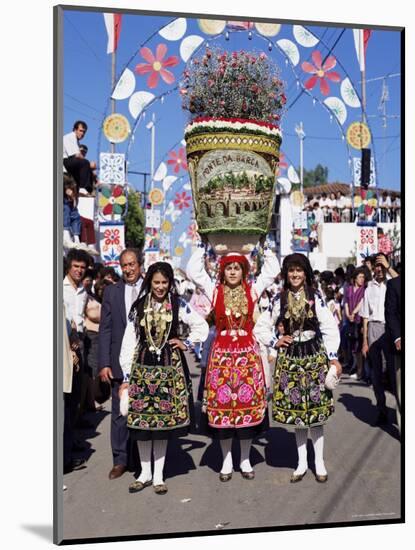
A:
{"x": 362, "y": 460}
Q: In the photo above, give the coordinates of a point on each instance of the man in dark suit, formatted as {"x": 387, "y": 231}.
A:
{"x": 116, "y": 305}
{"x": 393, "y": 331}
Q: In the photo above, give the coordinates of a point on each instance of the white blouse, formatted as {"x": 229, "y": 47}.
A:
{"x": 199, "y": 330}
{"x": 264, "y": 330}
{"x": 196, "y": 272}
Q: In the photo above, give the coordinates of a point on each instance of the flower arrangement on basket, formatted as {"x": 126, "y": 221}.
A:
{"x": 233, "y": 85}
{"x": 235, "y": 101}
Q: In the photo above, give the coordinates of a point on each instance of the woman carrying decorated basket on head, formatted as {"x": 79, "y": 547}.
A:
{"x": 235, "y": 392}
{"x": 307, "y": 349}
{"x": 155, "y": 371}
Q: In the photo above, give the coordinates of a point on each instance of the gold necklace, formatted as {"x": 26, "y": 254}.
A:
{"x": 236, "y": 302}
{"x": 158, "y": 322}
{"x": 297, "y": 308}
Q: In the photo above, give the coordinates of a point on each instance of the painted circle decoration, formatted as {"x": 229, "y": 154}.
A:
{"x": 358, "y": 135}
{"x": 166, "y": 227}
{"x": 179, "y": 251}
{"x": 268, "y": 29}
{"x": 211, "y": 26}
{"x": 116, "y": 128}
{"x": 156, "y": 197}
{"x": 297, "y": 198}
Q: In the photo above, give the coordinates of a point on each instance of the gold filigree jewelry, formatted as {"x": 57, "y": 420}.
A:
{"x": 297, "y": 309}
{"x": 157, "y": 324}
{"x": 236, "y": 302}
{"x": 236, "y": 307}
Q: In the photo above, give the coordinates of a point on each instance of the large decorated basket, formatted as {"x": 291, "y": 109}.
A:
{"x": 232, "y": 160}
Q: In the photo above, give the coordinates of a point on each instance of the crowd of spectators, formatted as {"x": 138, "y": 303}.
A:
{"x": 338, "y": 208}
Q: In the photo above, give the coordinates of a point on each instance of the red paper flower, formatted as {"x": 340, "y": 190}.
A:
{"x": 156, "y": 66}
{"x": 281, "y": 163}
{"x": 320, "y": 72}
{"x": 112, "y": 236}
{"x": 182, "y": 200}
{"x": 178, "y": 160}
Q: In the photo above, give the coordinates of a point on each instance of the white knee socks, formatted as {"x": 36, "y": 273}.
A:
{"x": 144, "y": 449}
{"x": 226, "y": 446}
{"x": 245, "y": 450}
{"x": 317, "y": 437}
{"x": 301, "y": 439}
{"x": 159, "y": 451}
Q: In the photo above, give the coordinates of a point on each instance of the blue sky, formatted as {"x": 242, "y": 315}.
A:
{"x": 87, "y": 87}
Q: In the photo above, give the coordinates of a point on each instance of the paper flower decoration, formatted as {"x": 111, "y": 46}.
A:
{"x": 182, "y": 200}
{"x": 282, "y": 164}
{"x": 192, "y": 232}
{"x": 178, "y": 160}
{"x": 112, "y": 200}
{"x": 156, "y": 65}
{"x": 112, "y": 237}
{"x": 321, "y": 72}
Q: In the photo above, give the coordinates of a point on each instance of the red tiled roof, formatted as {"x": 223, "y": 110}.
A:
{"x": 342, "y": 187}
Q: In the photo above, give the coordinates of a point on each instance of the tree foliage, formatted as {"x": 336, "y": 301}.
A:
{"x": 318, "y": 176}
{"x": 134, "y": 222}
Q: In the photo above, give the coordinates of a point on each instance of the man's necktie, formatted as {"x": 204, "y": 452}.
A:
{"x": 134, "y": 294}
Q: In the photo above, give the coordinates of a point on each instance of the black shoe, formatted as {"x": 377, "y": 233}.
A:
{"x": 75, "y": 464}
{"x": 382, "y": 419}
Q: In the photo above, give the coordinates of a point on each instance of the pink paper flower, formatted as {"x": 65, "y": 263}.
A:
{"x": 178, "y": 160}
{"x": 182, "y": 200}
{"x": 321, "y": 72}
{"x": 282, "y": 164}
{"x": 156, "y": 65}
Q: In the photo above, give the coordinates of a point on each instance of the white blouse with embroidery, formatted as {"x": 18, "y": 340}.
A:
{"x": 264, "y": 330}
{"x": 199, "y": 330}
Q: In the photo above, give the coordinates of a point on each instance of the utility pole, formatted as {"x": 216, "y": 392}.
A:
{"x": 301, "y": 134}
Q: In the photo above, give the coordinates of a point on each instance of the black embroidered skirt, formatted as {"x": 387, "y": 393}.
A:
{"x": 300, "y": 397}
{"x": 160, "y": 404}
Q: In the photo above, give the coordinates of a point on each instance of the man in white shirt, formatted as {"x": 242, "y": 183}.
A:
{"x": 74, "y": 298}
{"x": 373, "y": 314}
{"x": 116, "y": 305}
{"x": 74, "y": 161}
{"x": 319, "y": 219}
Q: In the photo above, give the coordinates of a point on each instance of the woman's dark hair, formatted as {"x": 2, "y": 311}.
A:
{"x": 357, "y": 272}
{"x": 339, "y": 272}
{"x": 329, "y": 294}
{"x": 368, "y": 273}
{"x": 159, "y": 267}
{"x": 350, "y": 268}
{"x": 89, "y": 274}
{"x": 69, "y": 183}
{"x": 106, "y": 270}
{"x": 297, "y": 260}
{"x": 99, "y": 288}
